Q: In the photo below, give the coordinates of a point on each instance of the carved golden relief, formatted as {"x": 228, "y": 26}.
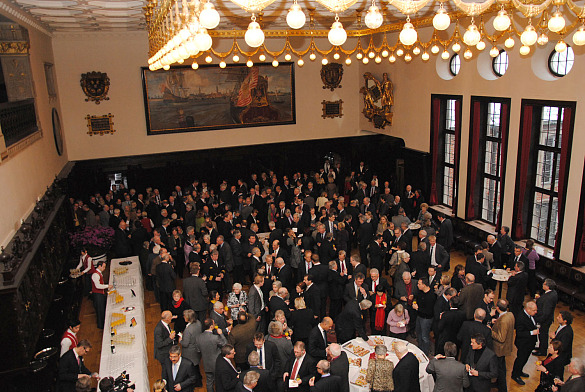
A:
{"x": 14, "y": 47}
{"x": 378, "y": 100}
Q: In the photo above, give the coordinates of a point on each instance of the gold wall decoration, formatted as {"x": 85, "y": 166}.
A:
{"x": 378, "y": 99}
{"x": 100, "y": 125}
{"x": 14, "y": 47}
{"x": 96, "y": 86}
{"x": 332, "y": 109}
{"x": 331, "y": 75}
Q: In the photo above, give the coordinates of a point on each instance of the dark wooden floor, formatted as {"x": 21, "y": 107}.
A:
{"x": 152, "y": 314}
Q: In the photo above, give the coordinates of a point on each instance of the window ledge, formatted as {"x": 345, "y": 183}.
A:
{"x": 6, "y": 153}
{"x": 542, "y": 250}
{"x": 484, "y": 226}
{"x": 444, "y": 209}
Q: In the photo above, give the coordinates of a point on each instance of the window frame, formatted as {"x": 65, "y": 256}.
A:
{"x": 565, "y": 53}
{"x": 455, "y": 58}
{"x": 498, "y": 74}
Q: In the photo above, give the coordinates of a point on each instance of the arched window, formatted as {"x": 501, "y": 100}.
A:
{"x": 500, "y": 63}
{"x": 561, "y": 63}
{"x": 455, "y": 64}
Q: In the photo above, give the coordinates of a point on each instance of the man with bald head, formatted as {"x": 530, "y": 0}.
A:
{"x": 470, "y": 295}
{"x": 526, "y": 335}
{"x": 327, "y": 382}
{"x": 339, "y": 365}
{"x": 163, "y": 337}
{"x": 471, "y": 328}
{"x": 318, "y": 339}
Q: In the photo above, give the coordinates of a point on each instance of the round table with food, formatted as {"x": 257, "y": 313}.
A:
{"x": 501, "y": 276}
{"x": 359, "y": 353}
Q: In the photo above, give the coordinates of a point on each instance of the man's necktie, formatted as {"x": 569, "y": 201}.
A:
{"x": 260, "y": 354}
{"x": 343, "y": 266}
{"x": 295, "y": 370}
{"x": 175, "y": 370}
{"x": 325, "y": 337}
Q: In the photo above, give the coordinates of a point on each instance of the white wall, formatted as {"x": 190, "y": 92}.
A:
{"x": 25, "y": 176}
{"x": 121, "y": 58}
{"x": 415, "y": 82}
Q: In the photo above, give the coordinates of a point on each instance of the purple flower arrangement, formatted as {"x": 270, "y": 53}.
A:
{"x": 97, "y": 240}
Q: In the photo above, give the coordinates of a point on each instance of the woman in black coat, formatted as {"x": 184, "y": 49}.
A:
{"x": 551, "y": 368}
{"x": 302, "y": 321}
{"x": 178, "y": 305}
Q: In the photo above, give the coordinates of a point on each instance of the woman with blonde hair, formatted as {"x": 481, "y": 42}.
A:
{"x": 382, "y": 224}
{"x": 302, "y": 321}
{"x": 159, "y": 386}
{"x": 444, "y": 284}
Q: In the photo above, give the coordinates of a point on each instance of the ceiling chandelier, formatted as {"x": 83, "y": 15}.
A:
{"x": 179, "y": 30}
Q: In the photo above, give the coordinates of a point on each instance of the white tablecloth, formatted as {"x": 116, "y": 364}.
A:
{"x": 132, "y": 358}
{"x": 426, "y": 380}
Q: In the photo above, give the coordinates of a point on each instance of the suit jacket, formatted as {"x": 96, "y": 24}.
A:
{"x": 162, "y": 342}
{"x": 304, "y": 372}
{"x": 496, "y": 250}
{"x": 470, "y": 328}
{"x": 450, "y": 375}
{"x": 360, "y": 268}
{"x": 240, "y": 336}
{"x": 449, "y": 325}
{"x": 517, "y": 288}
{"x": 441, "y": 256}
{"x": 487, "y": 368}
{"x": 524, "y": 326}
{"x": 186, "y": 375}
{"x": 271, "y": 356}
{"x": 209, "y": 344}
{"x": 565, "y": 335}
{"x": 470, "y": 296}
{"x": 377, "y": 253}
{"x": 237, "y": 251}
{"x": 336, "y": 284}
{"x": 316, "y": 347}
{"x": 254, "y": 302}
{"x": 329, "y": 383}
{"x": 419, "y": 262}
{"x": 69, "y": 370}
{"x": 286, "y": 277}
{"x": 348, "y": 266}
{"x": 574, "y": 385}
{"x": 503, "y": 334}
{"x": 400, "y": 288}
{"x": 320, "y": 273}
{"x": 195, "y": 292}
{"x": 189, "y": 342}
{"x": 277, "y": 303}
{"x": 265, "y": 382}
{"x": 405, "y": 374}
{"x": 340, "y": 367}
{"x": 220, "y": 321}
{"x": 226, "y": 377}
{"x": 382, "y": 282}
{"x": 445, "y": 236}
{"x": 313, "y": 298}
{"x": 350, "y": 321}
{"x": 302, "y": 321}
{"x": 478, "y": 270}
{"x": 546, "y": 308}
{"x": 349, "y": 292}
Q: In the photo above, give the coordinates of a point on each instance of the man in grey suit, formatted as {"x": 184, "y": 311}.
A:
{"x": 450, "y": 375}
{"x": 189, "y": 342}
{"x": 210, "y": 343}
{"x": 195, "y": 292}
{"x": 256, "y": 305}
{"x": 163, "y": 337}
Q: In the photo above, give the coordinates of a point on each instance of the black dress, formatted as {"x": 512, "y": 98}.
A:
{"x": 180, "y": 323}
{"x": 302, "y": 322}
{"x": 555, "y": 369}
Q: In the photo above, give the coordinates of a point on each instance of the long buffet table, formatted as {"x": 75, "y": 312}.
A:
{"x": 358, "y": 353}
{"x": 126, "y": 306}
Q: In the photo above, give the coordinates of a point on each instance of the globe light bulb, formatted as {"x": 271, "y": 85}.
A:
{"x": 399, "y": 52}
{"x": 494, "y": 51}
{"x": 194, "y": 65}
{"x": 445, "y": 54}
{"x": 262, "y": 57}
{"x": 509, "y": 43}
{"x": 191, "y": 47}
{"x": 542, "y": 39}
{"x": 425, "y": 56}
{"x": 556, "y": 23}
{"x": 296, "y": 17}
{"x": 348, "y": 61}
{"x": 384, "y": 53}
{"x": 180, "y": 61}
{"x": 300, "y": 62}
{"x": 579, "y": 36}
{"x": 209, "y": 17}
{"x": 236, "y": 58}
{"x": 203, "y": 40}
{"x": 467, "y": 54}
{"x": 472, "y": 35}
{"x": 359, "y": 55}
{"x": 275, "y": 63}
{"x": 337, "y": 35}
{"x": 441, "y": 20}
{"x": 407, "y": 57}
{"x": 365, "y": 60}
{"x": 249, "y": 63}
{"x": 336, "y": 56}
{"x": 416, "y": 51}
{"x": 529, "y": 36}
{"x": 312, "y": 56}
{"x": 392, "y": 58}
{"x": 222, "y": 64}
{"x": 502, "y": 21}
{"x": 561, "y": 46}
{"x": 456, "y": 47}
{"x": 435, "y": 49}
{"x": 374, "y": 18}
{"x": 254, "y": 36}
{"x": 208, "y": 59}
{"x": 408, "y": 34}
{"x": 480, "y": 46}
{"x": 378, "y": 59}
{"x": 287, "y": 57}
{"x": 371, "y": 55}
{"x": 524, "y": 50}
{"x": 324, "y": 61}
{"x": 166, "y": 67}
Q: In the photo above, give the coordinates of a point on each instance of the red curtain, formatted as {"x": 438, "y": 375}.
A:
{"x": 565, "y": 154}
{"x": 503, "y": 153}
{"x": 580, "y": 254}
{"x": 436, "y": 113}
{"x": 473, "y": 161}
{"x": 523, "y": 159}
{"x": 456, "y": 168}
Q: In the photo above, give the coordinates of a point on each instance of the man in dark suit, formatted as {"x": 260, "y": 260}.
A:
{"x": 470, "y": 295}
{"x": 217, "y": 314}
{"x": 495, "y": 249}
{"x": 320, "y": 274}
{"x": 564, "y": 333}
{"x": 312, "y": 295}
{"x": 339, "y": 365}
{"x": 178, "y": 370}
{"x": 405, "y": 373}
{"x": 474, "y": 265}
{"x": 278, "y": 251}
{"x": 377, "y": 252}
{"x": 420, "y": 261}
{"x": 163, "y": 337}
{"x": 268, "y": 354}
{"x": 439, "y": 256}
{"x": 517, "y": 284}
{"x": 526, "y": 335}
{"x": 482, "y": 364}
{"x": 336, "y": 283}
{"x": 441, "y": 306}
{"x": 276, "y": 302}
{"x": 166, "y": 276}
{"x": 195, "y": 292}
{"x": 449, "y": 325}
{"x": 545, "y": 315}
{"x": 327, "y": 382}
{"x": 300, "y": 368}
{"x": 237, "y": 256}
{"x": 265, "y": 381}
{"x": 71, "y": 366}
{"x": 343, "y": 264}
{"x": 251, "y": 381}
{"x": 318, "y": 339}
{"x": 354, "y": 289}
{"x": 284, "y": 273}
{"x": 445, "y": 234}
{"x": 226, "y": 375}
{"x": 357, "y": 266}
{"x": 350, "y": 321}
{"x": 472, "y": 328}
{"x": 326, "y": 249}
{"x": 215, "y": 272}
{"x": 122, "y": 244}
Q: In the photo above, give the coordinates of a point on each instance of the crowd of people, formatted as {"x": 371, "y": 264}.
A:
{"x": 326, "y": 257}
